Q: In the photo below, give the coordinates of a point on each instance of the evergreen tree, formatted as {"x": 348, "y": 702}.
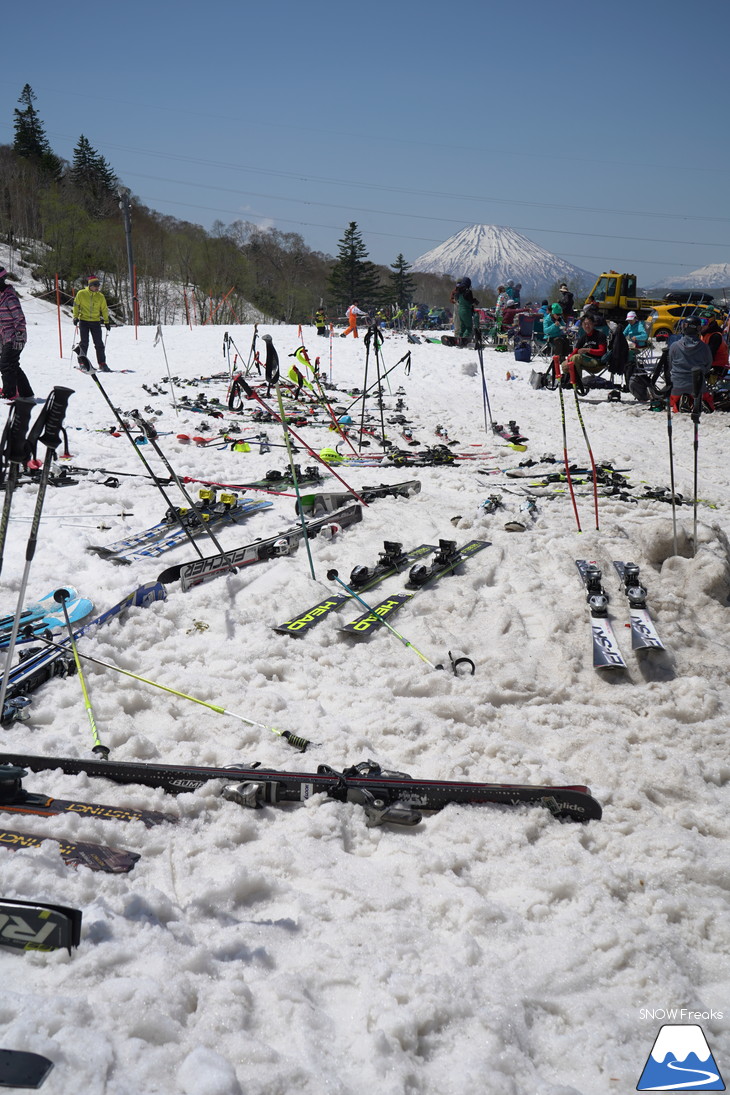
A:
{"x": 30, "y": 139}
{"x": 402, "y": 283}
{"x": 93, "y": 177}
{"x": 353, "y": 277}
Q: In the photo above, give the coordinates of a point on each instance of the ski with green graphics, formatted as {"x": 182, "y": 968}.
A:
{"x": 421, "y": 576}
{"x": 393, "y": 560}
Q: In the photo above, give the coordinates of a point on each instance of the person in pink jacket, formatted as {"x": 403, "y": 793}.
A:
{"x": 13, "y": 337}
{"x": 352, "y": 313}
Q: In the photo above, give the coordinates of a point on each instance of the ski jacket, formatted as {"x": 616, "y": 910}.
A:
{"x": 685, "y": 355}
{"x": 91, "y": 306}
{"x": 565, "y": 300}
{"x": 594, "y": 345}
{"x": 636, "y": 332}
{"x": 12, "y": 320}
{"x": 550, "y": 328}
{"x": 718, "y": 350}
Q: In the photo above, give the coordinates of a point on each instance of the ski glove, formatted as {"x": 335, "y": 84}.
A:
{"x": 108, "y": 326}
{"x": 76, "y": 323}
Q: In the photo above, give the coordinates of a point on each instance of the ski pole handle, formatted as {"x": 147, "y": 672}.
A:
{"x": 18, "y": 422}
{"x": 55, "y": 413}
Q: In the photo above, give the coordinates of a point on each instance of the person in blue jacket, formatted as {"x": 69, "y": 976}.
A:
{"x": 635, "y": 334}
{"x": 553, "y": 328}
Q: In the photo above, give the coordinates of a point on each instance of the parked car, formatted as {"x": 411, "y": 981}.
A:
{"x": 664, "y": 320}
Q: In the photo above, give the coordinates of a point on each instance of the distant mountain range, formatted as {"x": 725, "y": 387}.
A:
{"x": 716, "y": 275}
{"x": 491, "y": 255}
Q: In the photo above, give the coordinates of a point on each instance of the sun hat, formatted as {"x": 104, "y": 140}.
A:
{"x": 631, "y": 315}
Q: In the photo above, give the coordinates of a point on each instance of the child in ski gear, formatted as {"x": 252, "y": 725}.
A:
{"x": 13, "y": 336}
{"x": 352, "y": 313}
{"x": 90, "y": 310}
{"x": 320, "y": 322}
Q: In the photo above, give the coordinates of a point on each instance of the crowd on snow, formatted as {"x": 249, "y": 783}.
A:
{"x": 693, "y": 362}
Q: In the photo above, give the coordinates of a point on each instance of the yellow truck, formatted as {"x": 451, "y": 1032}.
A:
{"x": 615, "y": 295}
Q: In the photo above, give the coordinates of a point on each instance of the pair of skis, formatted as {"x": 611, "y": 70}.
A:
{"x": 421, "y": 576}
{"x": 606, "y": 651}
{"x": 212, "y": 512}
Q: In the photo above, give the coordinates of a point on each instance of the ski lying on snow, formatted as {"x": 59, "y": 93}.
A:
{"x": 45, "y": 615}
{"x": 75, "y": 853}
{"x": 315, "y": 504}
{"x": 40, "y": 665}
{"x": 393, "y": 560}
{"x": 203, "y": 570}
{"x": 643, "y": 633}
{"x": 449, "y": 557}
{"x": 14, "y": 799}
{"x": 606, "y": 652}
{"x": 387, "y": 796}
{"x": 38, "y": 926}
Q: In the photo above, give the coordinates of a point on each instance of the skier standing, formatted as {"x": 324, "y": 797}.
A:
{"x": 13, "y": 336}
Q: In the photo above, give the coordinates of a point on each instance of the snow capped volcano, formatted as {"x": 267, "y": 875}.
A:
{"x": 716, "y": 275}
{"x": 490, "y": 254}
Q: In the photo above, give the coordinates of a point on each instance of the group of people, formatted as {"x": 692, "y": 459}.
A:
{"x": 90, "y": 310}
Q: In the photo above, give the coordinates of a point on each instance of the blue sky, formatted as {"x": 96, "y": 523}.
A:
{"x": 603, "y": 138}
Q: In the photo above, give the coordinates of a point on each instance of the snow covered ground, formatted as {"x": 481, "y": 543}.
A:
{"x": 296, "y": 949}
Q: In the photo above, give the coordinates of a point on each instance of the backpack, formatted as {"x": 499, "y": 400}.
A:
{"x": 523, "y": 351}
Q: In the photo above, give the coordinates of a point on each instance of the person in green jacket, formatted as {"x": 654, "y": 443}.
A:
{"x": 90, "y": 311}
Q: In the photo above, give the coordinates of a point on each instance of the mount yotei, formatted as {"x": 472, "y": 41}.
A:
{"x": 491, "y": 254}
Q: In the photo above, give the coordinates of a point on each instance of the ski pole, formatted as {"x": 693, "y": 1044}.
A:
{"x": 61, "y": 596}
{"x": 272, "y": 377}
{"x": 173, "y": 509}
{"x": 573, "y": 381}
{"x": 558, "y": 378}
{"x": 485, "y": 392}
{"x": 333, "y": 576}
{"x": 252, "y": 393}
{"x": 159, "y": 338}
{"x": 374, "y": 334}
{"x": 13, "y": 451}
{"x": 698, "y": 380}
{"x": 46, "y": 429}
{"x": 675, "y": 550}
{"x": 365, "y": 389}
{"x": 294, "y": 740}
{"x": 406, "y": 357}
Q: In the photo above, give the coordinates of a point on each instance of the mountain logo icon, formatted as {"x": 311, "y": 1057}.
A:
{"x": 680, "y": 1060}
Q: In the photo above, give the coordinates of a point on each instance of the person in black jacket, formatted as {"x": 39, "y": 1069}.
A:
{"x": 565, "y": 300}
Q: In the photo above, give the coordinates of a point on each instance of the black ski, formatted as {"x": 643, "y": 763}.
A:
{"x": 643, "y": 633}
{"x": 393, "y": 560}
{"x": 606, "y": 652}
{"x": 387, "y": 796}
{"x": 316, "y": 504}
{"x": 203, "y": 570}
{"x": 21, "y": 1069}
{"x": 38, "y": 926}
{"x": 14, "y": 799}
{"x": 449, "y": 557}
{"x": 75, "y": 853}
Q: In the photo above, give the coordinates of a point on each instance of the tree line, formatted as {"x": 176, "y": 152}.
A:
{"x": 64, "y": 219}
